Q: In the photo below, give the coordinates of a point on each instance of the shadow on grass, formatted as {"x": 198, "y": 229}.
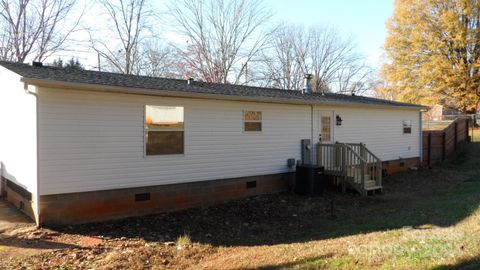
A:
{"x": 442, "y": 196}
{"x": 305, "y": 263}
{"x": 472, "y": 264}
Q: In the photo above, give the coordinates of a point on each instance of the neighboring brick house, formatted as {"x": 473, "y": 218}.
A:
{"x": 434, "y": 113}
{"x": 78, "y": 146}
{"x": 442, "y": 113}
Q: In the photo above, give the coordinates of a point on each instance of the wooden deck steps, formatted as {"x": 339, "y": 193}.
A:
{"x": 370, "y": 185}
{"x": 354, "y": 164}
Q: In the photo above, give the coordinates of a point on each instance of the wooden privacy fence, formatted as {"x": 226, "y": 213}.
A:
{"x": 439, "y": 144}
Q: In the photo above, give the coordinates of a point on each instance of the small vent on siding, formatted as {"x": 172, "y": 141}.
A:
{"x": 251, "y": 184}
{"x": 140, "y": 197}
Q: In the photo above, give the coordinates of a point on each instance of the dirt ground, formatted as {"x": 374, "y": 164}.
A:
{"x": 426, "y": 219}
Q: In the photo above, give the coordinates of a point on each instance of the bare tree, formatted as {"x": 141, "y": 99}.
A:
{"x": 354, "y": 79}
{"x": 283, "y": 65}
{"x": 129, "y": 25}
{"x": 328, "y": 53}
{"x": 320, "y": 51}
{"x": 34, "y": 28}
{"x": 7, "y": 52}
{"x": 160, "y": 60}
{"x": 223, "y": 36}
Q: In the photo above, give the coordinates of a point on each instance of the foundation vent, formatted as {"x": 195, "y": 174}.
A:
{"x": 251, "y": 184}
{"x": 141, "y": 197}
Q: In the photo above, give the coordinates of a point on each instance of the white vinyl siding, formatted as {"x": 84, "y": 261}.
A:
{"x": 379, "y": 128}
{"x": 95, "y": 141}
{"x": 18, "y": 132}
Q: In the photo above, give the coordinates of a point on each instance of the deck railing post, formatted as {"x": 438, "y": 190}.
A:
{"x": 362, "y": 174}
{"x": 362, "y": 151}
{"x": 379, "y": 172}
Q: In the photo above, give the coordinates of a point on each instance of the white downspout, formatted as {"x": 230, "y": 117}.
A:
{"x": 34, "y": 92}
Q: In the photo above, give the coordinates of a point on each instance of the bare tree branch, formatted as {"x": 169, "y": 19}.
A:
{"x": 159, "y": 60}
{"x": 319, "y": 51}
{"x": 130, "y": 26}
{"x": 223, "y": 36}
{"x": 354, "y": 79}
{"x": 34, "y": 28}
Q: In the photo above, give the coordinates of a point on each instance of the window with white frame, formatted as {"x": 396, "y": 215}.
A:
{"x": 164, "y": 130}
{"x": 252, "y": 121}
{"x": 407, "y": 127}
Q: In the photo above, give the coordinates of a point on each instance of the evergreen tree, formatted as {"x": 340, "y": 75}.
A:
{"x": 72, "y": 64}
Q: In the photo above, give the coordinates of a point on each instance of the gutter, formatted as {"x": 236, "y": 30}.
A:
{"x": 34, "y": 93}
{"x": 186, "y": 94}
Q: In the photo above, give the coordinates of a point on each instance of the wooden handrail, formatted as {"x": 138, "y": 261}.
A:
{"x": 372, "y": 154}
{"x": 350, "y": 160}
{"x": 378, "y": 168}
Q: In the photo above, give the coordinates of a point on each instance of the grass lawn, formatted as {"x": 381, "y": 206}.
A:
{"x": 435, "y": 126}
{"x": 426, "y": 219}
{"x": 475, "y": 135}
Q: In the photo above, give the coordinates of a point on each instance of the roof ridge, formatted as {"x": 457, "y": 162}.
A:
{"x": 94, "y": 77}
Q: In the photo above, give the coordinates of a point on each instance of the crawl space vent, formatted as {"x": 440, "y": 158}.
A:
{"x": 251, "y": 184}
{"x": 140, "y": 197}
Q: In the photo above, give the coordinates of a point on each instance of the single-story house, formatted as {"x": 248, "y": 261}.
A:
{"x": 79, "y": 146}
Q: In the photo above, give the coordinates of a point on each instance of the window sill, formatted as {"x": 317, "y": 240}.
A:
{"x": 163, "y": 155}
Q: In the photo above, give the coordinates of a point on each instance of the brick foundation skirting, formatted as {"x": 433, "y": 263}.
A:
{"x": 83, "y": 207}
{"x": 400, "y": 165}
{"x": 19, "y": 197}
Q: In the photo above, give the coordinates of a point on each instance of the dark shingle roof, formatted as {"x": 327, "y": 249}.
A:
{"x": 55, "y": 74}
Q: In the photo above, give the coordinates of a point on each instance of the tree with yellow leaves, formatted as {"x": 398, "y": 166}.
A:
{"x": 433, "y": 50}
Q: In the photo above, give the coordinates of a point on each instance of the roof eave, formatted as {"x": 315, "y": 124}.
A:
{"x": 169, "y": 93}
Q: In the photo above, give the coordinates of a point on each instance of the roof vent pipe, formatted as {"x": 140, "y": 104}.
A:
{"x": 307, "y": 88}
{"x": 37, "y": 64}
{"x": 190, "y": 81}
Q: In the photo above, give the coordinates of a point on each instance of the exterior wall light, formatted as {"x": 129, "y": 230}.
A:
{"x": 338, "y": 120}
